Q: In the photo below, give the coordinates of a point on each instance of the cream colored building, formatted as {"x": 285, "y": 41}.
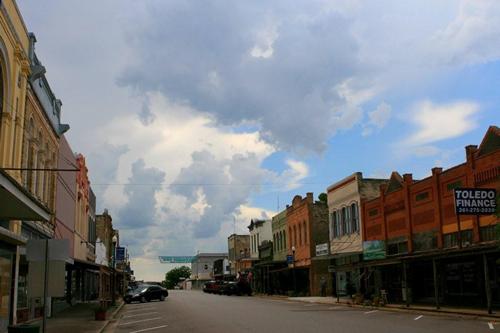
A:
{"x": 344, "y": 208}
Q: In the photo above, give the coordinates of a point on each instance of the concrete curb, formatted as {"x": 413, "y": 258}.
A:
{"x": 432, "y": 312}
{"x": 112, "y": 317}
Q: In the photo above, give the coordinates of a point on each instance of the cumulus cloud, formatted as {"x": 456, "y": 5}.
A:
{"x": 140, "y": 210}
{"x": 378, "y": 118}
{"x": 436, "y": 122}
{"x": 284, "y": 75}
{"x": 473, "y": 36}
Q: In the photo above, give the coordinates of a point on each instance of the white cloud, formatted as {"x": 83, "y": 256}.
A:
{"x": 436, "y": 122}
{"x": 378, "y": 118}
{"x": 473, "y": 36}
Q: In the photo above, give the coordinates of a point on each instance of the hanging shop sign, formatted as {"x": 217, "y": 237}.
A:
{"x": 322, "y": 249}
{"x": 475, "y": 201}
{"x": 373, "y": 250}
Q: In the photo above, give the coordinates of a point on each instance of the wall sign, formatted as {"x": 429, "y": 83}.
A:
{"x": 321, "y": 249}
{"x": 475, "y": 201}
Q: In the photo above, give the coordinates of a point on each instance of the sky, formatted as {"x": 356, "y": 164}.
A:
{"x": 197, "y": 116}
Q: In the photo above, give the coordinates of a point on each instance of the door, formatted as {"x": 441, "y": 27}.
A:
{"x": 6, "y": 260}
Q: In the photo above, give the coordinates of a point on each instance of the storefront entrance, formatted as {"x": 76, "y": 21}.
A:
{"x": 6, "y": 263}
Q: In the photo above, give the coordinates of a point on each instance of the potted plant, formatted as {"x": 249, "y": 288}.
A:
{"x": 100, "y": 312}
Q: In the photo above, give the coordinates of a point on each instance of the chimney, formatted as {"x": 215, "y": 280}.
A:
{"x": 470, "y": 150}
{"x": 408, "y": 178}
{"x": 310, "y": 197}
{"x": 436, "y": 171}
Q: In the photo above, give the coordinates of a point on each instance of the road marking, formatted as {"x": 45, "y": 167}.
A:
{"x": 138, "y": 321}
{"x": 310, "y": 304}
{"x": 149, "y": 329}
{"x": 490, "y": 324}
{"x": 372, "y": 311}
{"x": 139, "y": 314}
{"x": 417, "y": 318}
{"x": 334, "y": 308}
{"x": 141, "y": 309}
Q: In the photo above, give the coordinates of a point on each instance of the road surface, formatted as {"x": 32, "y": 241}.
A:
{"x": 194, "y": 311}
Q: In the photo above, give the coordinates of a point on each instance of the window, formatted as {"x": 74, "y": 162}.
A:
{"x": 284, "y": 239}
{"x": 451, "y": 240}
{"x": 344, "y": 221}
{"x": 348, "y": 221}
{"x": 355, "y": 217}
{"x": 421, "y": 196}
{"x": 454, "y": 185}
{"x": 339, "y": 222}
{"x": 294, "y": 235}
{"x": 334, "y": 225}
{"x": 489, "y": 233}
{"x": 397, "y": 248}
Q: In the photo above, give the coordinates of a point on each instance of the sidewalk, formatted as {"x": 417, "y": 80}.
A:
{"x": 451, "y": 311}
{"x": 79, "y": 319}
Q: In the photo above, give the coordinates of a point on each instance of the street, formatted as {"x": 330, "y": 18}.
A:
{"x": 194, "y": 311}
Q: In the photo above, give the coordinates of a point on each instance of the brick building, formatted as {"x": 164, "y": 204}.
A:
{"x": 307, "y": 226}
{"x": 413, "y": 231}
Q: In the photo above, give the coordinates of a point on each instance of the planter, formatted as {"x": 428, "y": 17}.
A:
{"x": 100, "y": 315}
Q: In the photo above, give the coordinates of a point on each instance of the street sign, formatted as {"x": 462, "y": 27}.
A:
{"x": 475, "y": 201}
{"x": 321, "y": 249}
{"x": 120, "y": 253}
{"x": 289, "y": 259}
{"x": 175, "y": 259}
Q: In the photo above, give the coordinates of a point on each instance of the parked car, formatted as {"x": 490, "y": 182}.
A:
{"x": 214, "y": 287}
{"x": 146, "y": 293}
{"x": 208, "y": 286}
{"x": 237, "y": 288}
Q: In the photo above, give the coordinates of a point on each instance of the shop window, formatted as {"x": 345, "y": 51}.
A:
{"x": 490, "y": 233}
{"x": 425, "y": 241}
{"x": 397, "y": 248}
{"x": 451, "y": 240}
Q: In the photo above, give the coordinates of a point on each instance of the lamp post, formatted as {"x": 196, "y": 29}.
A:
{"x": 113, "y": 282}
{"x": 293, "y": 271}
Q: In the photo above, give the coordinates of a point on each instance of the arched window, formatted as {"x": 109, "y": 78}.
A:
{"x": 294, "y": 235}
{"x": 344, "y": 221}
{"x": 355, "y": 217}
{"x": 290, "y": 234}
{"x": 284, "y": 239}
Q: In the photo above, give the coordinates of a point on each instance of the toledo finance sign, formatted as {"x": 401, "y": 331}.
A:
{"x": 475, "y": 201}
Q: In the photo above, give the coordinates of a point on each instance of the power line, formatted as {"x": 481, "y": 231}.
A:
{"x": 206, "y": 184}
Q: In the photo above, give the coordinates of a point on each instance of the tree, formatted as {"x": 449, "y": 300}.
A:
{"x": 323, "y": 198}
{"x": 175, "y": 275}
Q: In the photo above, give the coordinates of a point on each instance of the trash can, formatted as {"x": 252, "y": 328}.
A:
{"x": 24, "y": 328}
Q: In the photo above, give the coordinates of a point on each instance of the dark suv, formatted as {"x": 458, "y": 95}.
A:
{"x": 146, "y": 293}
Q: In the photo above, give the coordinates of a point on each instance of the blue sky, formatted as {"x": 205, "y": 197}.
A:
{"x": 239, "y": 103}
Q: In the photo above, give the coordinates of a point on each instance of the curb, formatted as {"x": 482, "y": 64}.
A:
{"x": 433, "y": 312}
{"x": 112, "y": 316}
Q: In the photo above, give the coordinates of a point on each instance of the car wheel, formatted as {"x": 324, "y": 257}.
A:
{"x": 143, "y": 299}
{"x": 162, "y": 298}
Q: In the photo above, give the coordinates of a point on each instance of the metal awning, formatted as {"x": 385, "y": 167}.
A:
{"x": 18, "y": 204}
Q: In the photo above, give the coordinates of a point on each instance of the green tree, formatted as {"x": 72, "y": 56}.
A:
{"x": 323, "y": 198}
{"x": 175, "y": 275}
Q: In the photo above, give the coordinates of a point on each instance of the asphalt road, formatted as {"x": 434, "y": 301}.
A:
{"x": 194, "y": 311}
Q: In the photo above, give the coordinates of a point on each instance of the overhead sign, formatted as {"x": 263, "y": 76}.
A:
{"x": 373, "y": 250}
{"x": 120, "y": 253}
{"x": 176, "y": 259}
{"x": 322, "y": 249}
{"x": 475, "y": 201}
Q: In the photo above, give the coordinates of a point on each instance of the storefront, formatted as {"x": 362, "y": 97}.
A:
{"x": 16, "y": 204}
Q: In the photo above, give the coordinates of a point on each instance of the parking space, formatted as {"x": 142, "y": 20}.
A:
{"x": 142, "y": 317}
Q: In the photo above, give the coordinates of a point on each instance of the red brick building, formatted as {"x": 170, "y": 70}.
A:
{"x": 415, "y": 224}
{"x": 307, "y": 225}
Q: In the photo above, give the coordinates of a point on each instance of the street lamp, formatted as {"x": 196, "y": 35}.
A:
{"x": 293, "y": 271}
{"x": 114, "y": 240}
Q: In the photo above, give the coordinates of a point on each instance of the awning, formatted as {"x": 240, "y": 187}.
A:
{"x": 12, "y": 238}
{"x": 18, "y": 204}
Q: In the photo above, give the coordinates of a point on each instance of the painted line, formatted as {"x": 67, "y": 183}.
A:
{"x": 141, "y": 309}
{"x": 149, "y": 329}
{"x": 138, "y": 321}
{"x": 139, "y": 314}
{"x": 417, "y": 318}
{"x": 310, "y": 304}
{"x": 334, "y": 308}
{"x": 490, "y": 324}
{"x": 372, "y": 311}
